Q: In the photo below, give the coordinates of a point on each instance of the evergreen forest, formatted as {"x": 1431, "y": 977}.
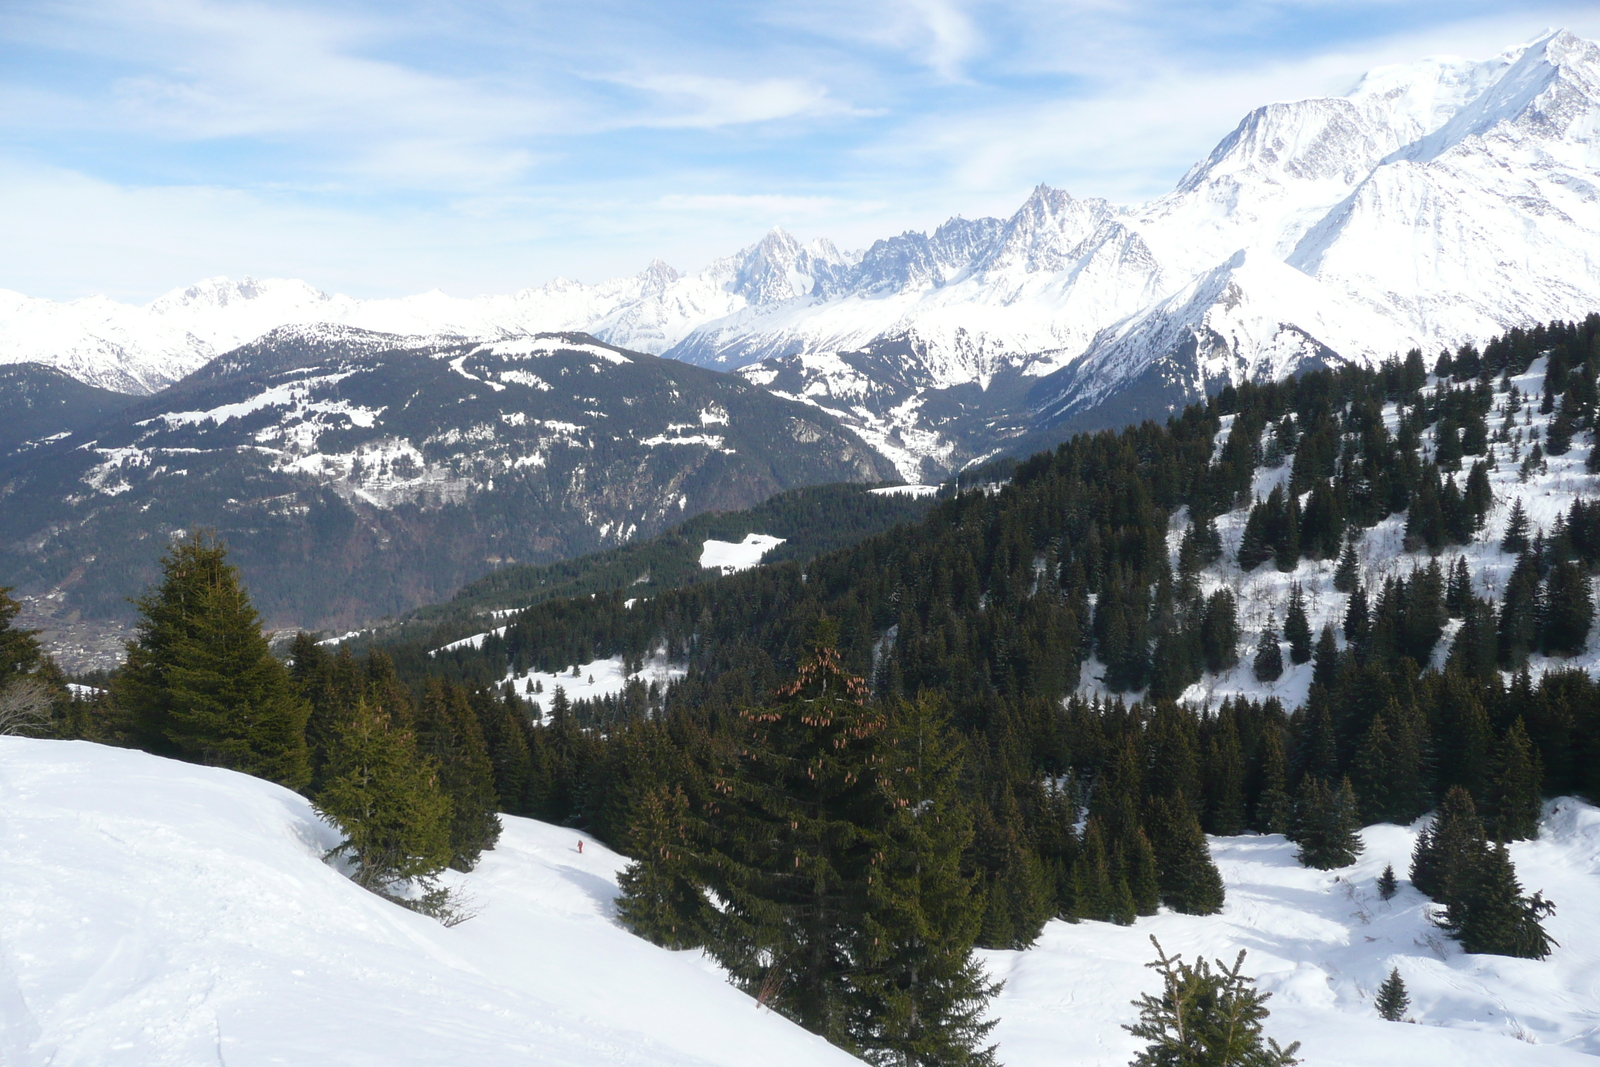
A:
{"x": 883, "y": 755}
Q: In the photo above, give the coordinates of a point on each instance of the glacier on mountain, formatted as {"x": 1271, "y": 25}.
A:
{"x": 1437, "y": 203}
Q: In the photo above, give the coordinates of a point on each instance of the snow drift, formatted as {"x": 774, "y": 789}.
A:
{"x": 155, "y": 913}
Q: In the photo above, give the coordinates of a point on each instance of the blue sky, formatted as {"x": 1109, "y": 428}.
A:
{"x": 386, "y": 148}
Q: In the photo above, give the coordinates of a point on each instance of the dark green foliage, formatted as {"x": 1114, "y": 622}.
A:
{"x": 1388, "y": 884}
{"x": 1447, "y": 845}
{"x": 662, "y": 900}
{"x": 1096, "y": 894}
{"x": 1392, "y": 996}
{"x": 1274, "y": 807}
{"x": 797, "y": 829}
{"x": 1296, "y": 630}
{"x": 923, "y": 991}
{"x": 1519, "y": 612}
{"x": 1268, "y": 662}
{"x": 1356, "y": 620}
{"x": 1487, "y": 912}
{"x": 1219, "y": 636}
{"x": 384, "y": 798}
{"x": 1347, "y": 575}
{"x": 1513, "y": 803}
{"x": 449, "y": 736}
{"x": 1205, "y": 1018}
{"x": 1325, "y": 659}
{"x": 1324, "y": 824}
{"x": 33, "y": 694}
{"x": 1188, "y": 879}
{"x": 1567, "y": 611}
{"x": 200, "y": 682}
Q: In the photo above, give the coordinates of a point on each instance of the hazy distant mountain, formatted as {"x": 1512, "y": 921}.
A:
{"x": 353, "y": 478}
{"x": 1438, "y": 203}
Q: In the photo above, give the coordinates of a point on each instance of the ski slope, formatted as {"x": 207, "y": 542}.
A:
{"x": 156, "y": 913}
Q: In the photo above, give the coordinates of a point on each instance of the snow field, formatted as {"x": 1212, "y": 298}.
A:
{"x": 599, "y": 678}
{"x": 155, "y": 913}
{"x": 731, "y": 557}
{"x": 1322, "y": 942}
{"x": 905, "y": 490}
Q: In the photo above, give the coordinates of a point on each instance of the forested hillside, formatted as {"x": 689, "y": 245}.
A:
{"x": 1057, "y": 616}
{"x": 810, "y": 522}
{"x": 1304, "y": 608}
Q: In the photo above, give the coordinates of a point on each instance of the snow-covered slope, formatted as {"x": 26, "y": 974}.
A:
{"x": 156, "y": 913}
{"x": 1322, "y": 942}
{"x": 1439, "y": 202}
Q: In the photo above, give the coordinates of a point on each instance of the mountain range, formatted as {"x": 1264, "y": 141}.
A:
{"x": 1436, "y": 204}
{"x": 355, "y": 475}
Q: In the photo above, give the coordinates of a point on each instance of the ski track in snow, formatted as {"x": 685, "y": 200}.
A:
{"x": 158, "y": 913}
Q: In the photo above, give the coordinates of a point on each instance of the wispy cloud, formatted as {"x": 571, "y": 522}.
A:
{"x": 486, "y": 144}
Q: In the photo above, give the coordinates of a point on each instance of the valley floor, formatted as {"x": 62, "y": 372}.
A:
{"x": 156, "y": 913}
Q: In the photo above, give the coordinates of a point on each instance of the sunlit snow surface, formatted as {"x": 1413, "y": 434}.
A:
{"x": 1322, "y": 942}
{"x": 599, "y": 678}
{"x": 155, "y": 913}
{"x": 731, "y": 556}
{"x": 905, "y": 490}
{"x": 158, "y": 913}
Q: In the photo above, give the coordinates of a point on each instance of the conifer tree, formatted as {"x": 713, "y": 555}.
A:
{"x": 1487, "y": 912}
{"x": 1224, "y": 771}
{"x": 1515, "y": 540}
{"x": 1458, "y": 599}
{"x": 200, "y": 681}
{"x": 383, "y": 796}
{"x": 662, "y": 900}
{"x": 1388, "y": 884}
{"x": 1205, "y": 1017}
{"x": 922, "y": 992}
{"x": 1347, "y": 575}
{"x": 32, "y": 688}
{"x": 1325, "y": 824}
{"x": 1325, "y": 659}
{"x": 1568, "y": 611}
{"x": 1095, "y": 894}
{"x": 1392, "y": 997}
{"x": 1356, "y": 621}
{"x": 1296, "y": 629}
{"x": 1268, "y": 662}
{"x": 1273, "y": 805}
{"x": 1219, "y": 639}
{"x": 1514, "y": 795}
{"x": 797, "y": 829}
{"x": 1138, "y": 867}
{"x": 448, "y": 734}
{"x": 1374, "y": 772}
{"x": 1447, "y": 846}
{"x": 1189, "y": 880}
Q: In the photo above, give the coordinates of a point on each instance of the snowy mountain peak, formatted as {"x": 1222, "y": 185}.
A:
{"x": 1436, "y": 203}
{"x": 658, "y": 275}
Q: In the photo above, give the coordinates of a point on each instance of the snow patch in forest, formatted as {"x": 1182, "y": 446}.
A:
{"x": 729, "y": 556}
{"x": 595, "y": 679}
{"x": 905, "y": 490}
